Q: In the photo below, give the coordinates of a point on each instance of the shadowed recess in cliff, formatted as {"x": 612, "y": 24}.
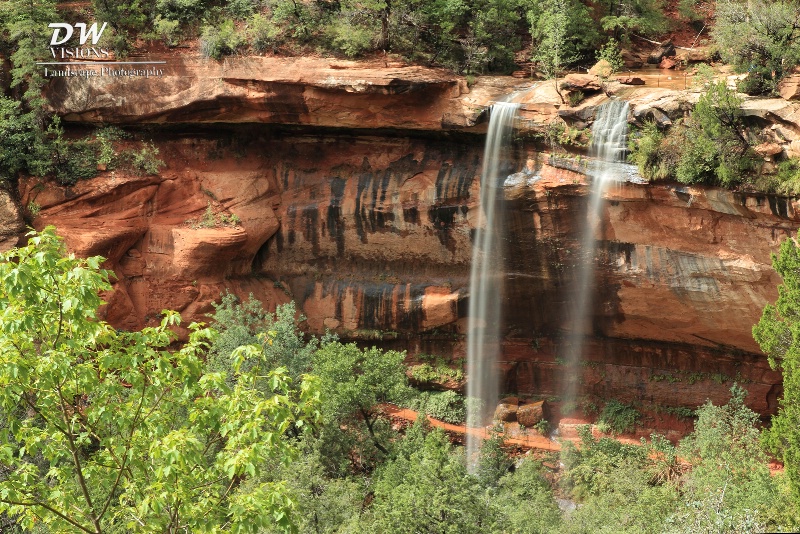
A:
{"x": 609, "y": 135}
{"x": 359, "y": 307}
{"x": 486, "y": 278}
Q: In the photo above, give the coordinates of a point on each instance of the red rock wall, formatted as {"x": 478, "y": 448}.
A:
{"x": 371, "y": 235}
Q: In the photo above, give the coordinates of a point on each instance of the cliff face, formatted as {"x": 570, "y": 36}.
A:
{"x": 369, "y": 225}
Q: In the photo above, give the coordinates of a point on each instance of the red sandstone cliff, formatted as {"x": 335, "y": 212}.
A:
{"x": 356, "y": 196}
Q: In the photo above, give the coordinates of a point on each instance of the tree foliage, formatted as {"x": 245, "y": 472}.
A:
{"x": 778, "y": 335}
{"x": 278, "y": 335}
{"x": 426, "y": 488}
{"x": 730, "y": 474}
{"x": 760, "y": 38}
{"x": 106, "y": 430}
{"x": 715, "y": 148}
{"x": 563, "y": 34}
{"x": 353, "y": 383}
{"x": 710, "y": 147}
{"x": 640, "y": 16}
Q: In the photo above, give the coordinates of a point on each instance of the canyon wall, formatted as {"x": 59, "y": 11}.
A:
{"x": 356, "y": 192}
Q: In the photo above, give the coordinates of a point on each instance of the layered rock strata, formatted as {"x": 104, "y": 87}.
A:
{"x": 355, "y": 194}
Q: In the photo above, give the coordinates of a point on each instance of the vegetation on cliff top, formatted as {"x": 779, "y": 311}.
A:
{"x": 468, "y": 36}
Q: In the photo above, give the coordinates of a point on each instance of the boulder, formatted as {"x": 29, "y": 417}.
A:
{"x": 578, "y": 117}
{"x": 789, "y": 87}
{"x": 602, "y": 68}
{"x": 530, "y": 414}
{"x": 700, "y": 54}
{"x": 667, "y": 63}
{"x": 652, "y": 114}
{"x": 768, "y": 150}
{"x": 632, "y": 60}
{"x": 794, "y": 149}
{"x": 664, "y": 50}
{"x": 582, "y": 82}
{"x": 630, "y": 80}
{"x": 505, "y": 412}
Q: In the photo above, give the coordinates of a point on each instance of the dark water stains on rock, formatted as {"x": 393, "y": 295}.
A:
{"x": 335, "y": 220}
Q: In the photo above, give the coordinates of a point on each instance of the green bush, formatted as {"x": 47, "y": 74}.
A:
{"x": 785, "y": 182}
{"x": 350, "y": 38}
{"x": 241, "y": 9}
{"x": 611, "y": 52}
{"x": 618, "y": 417}
{"x": 105, "y": 137}
{"x": 593, "y": 468}
{"x": 184, "y": 11}
{"x": 167, "y": 30}
{"x": 493, "y": 462}
{"x": 710, "y": 147}
{"x": 761, "y": 38}
{"x": 447, "y": 406}
{"x": 647, "y": 151}
{"x": 262, "y": 32}
{"x": 75, "y": 160}
{"x": 222, "y": 40}
{"x": 435, "y": 369}
{"x": 525, "y": 502}
{"x": 575, "y": 98}
{"x": 25, "y": 145}
{"x": 144, "y": 161}
{"x": 563, "y": 35}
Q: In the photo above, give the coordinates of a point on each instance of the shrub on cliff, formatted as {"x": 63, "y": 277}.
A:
{"x": 715, "y": 149}
{"x": 710, "y": 147}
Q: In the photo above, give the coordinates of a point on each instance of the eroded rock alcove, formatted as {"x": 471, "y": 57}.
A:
{"x": 355, "y": 191}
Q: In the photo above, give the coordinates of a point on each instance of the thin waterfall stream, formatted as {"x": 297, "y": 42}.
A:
{"x": 484, "y": 337}
{"x": 608, "y": 150}
{"x": 486, "y": 278}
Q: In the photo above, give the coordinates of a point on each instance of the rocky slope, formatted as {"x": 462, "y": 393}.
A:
{"x": 356, "y": 188}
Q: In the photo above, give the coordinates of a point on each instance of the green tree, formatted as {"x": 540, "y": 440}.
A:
{"x": 760, "y": 38}
{"x": 353, "y": 383}
{"x": 25, "y": 37}
{"x": 563, "y": 34}
{"x": 524, "y": 501}
{"x": 125, "y": 18}
{"x": 494, "y": 24}
{"x": 778, "y": 335}
{"x": 105, "y": 430}
{"x": 247, "y": 323}
{"x": 427, "y": 30}
{"x": 730, "y": 474}
{"x": 426, "y": 488}
{"x": 715, "y": 149}
{"x": 324, "y": 504}
{"x": 643, "y": 16}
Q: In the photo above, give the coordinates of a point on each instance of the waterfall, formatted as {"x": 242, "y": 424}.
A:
{"x": 486, "y": 279}
{"x": 608, "y": 150}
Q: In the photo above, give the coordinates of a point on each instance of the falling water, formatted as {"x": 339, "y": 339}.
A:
{"x": 486, "y": 278}
{"x": 609, "y": 133}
